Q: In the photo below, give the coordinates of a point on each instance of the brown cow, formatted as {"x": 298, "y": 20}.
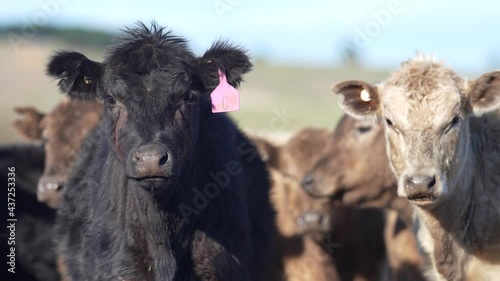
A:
{"x": 354, "y": 171}
{"x": 298, "y": 257}
{"x": 353, "y": 168}
{"x": 302, "y": 258}
{"x": 296, "y": 156}
{"x": 442, "y": 135}
{"x": 62, "y": 132}
{"x": 353, "y": 239}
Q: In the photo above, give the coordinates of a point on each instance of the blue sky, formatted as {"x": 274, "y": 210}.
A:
{"x": 384, "y": 32}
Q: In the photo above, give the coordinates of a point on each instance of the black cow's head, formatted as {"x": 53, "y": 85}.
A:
{"x": 155, "y": 92}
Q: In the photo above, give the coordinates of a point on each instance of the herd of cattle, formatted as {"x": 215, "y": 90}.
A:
{"x": 134, "y": 178}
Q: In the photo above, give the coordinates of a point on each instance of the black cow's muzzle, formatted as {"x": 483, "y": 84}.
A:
{"x": 150, "y": 163}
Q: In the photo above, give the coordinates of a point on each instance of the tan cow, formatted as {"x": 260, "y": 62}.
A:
{"x": 353, "y": 170}
{"x": 62, "y": 132}
{"x": 442, "y": 134}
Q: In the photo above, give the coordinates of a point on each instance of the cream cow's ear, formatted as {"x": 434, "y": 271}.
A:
{"x": 484, "y": 93}
{"x": 358, "y": 98}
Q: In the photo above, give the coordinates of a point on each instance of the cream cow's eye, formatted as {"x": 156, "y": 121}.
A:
{"x": 389, "y": 122}
{"x": 454, "y": 122}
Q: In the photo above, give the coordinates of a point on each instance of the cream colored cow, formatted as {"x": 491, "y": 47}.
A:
{"x": 443, "y": 141}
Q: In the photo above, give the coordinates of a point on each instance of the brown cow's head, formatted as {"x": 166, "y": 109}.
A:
{"x": 353, "y": 168}
{"x": 298, "y": 213}
{"x": 297, "y": 156}
{"x": 426, "y": 109}
{"x": 62, "y": 132}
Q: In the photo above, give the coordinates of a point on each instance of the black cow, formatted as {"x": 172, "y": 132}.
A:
{"x": 35, "y": 258}
{"x": 164, "y": 189}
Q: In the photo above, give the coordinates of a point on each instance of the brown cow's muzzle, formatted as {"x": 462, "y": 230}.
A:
{"x": 48, "y": 191}
{"x": 314, "y": 222}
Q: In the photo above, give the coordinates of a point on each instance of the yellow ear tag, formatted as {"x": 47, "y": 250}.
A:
{"x": 365, "y": 96}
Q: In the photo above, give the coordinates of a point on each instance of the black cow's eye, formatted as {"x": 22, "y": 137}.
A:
{"x": 188, "y": 97}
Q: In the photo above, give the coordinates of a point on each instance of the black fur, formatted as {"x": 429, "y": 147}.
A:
{"x": 219, "y": 56}
{"x": 35, "y": 250}
{"x": 78, "y": 76}
{"x": 112, "y": 224}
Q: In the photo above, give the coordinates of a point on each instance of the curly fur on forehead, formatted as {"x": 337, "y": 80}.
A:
{"x": 143, "y": 49}
{"x": 423, "y": 75}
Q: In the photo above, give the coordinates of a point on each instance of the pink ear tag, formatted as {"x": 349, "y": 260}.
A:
{"x": 225, "y": 98}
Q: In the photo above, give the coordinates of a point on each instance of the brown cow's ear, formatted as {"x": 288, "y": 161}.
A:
{"x": 267, "y": 151}
{"x": 358, "y": 98}
{"x": 484, "y": 93}
{"x": 29, "y": 124}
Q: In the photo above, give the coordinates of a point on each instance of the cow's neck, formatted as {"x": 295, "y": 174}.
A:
{"x": 154, "y": 238}
{"x": 146, "y": 225}
{"x": 443, "y": 233}
{"x": 485, "y": 136}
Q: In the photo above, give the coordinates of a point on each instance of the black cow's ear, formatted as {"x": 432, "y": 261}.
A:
{"x": 230, "y": 59}
{"x": 79, "y": 77}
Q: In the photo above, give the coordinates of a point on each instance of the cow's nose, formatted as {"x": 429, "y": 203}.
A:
{"x": 150, "y": 160}
{"x": 312, "y": 221}
{"x": 419, "y": 184}
{"x": 48, "y": 191}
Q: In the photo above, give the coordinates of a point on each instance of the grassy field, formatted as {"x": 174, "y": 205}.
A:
{"x": 274, "y": 98}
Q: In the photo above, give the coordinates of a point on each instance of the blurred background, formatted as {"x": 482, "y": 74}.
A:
{"x": 299, "y": 48}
